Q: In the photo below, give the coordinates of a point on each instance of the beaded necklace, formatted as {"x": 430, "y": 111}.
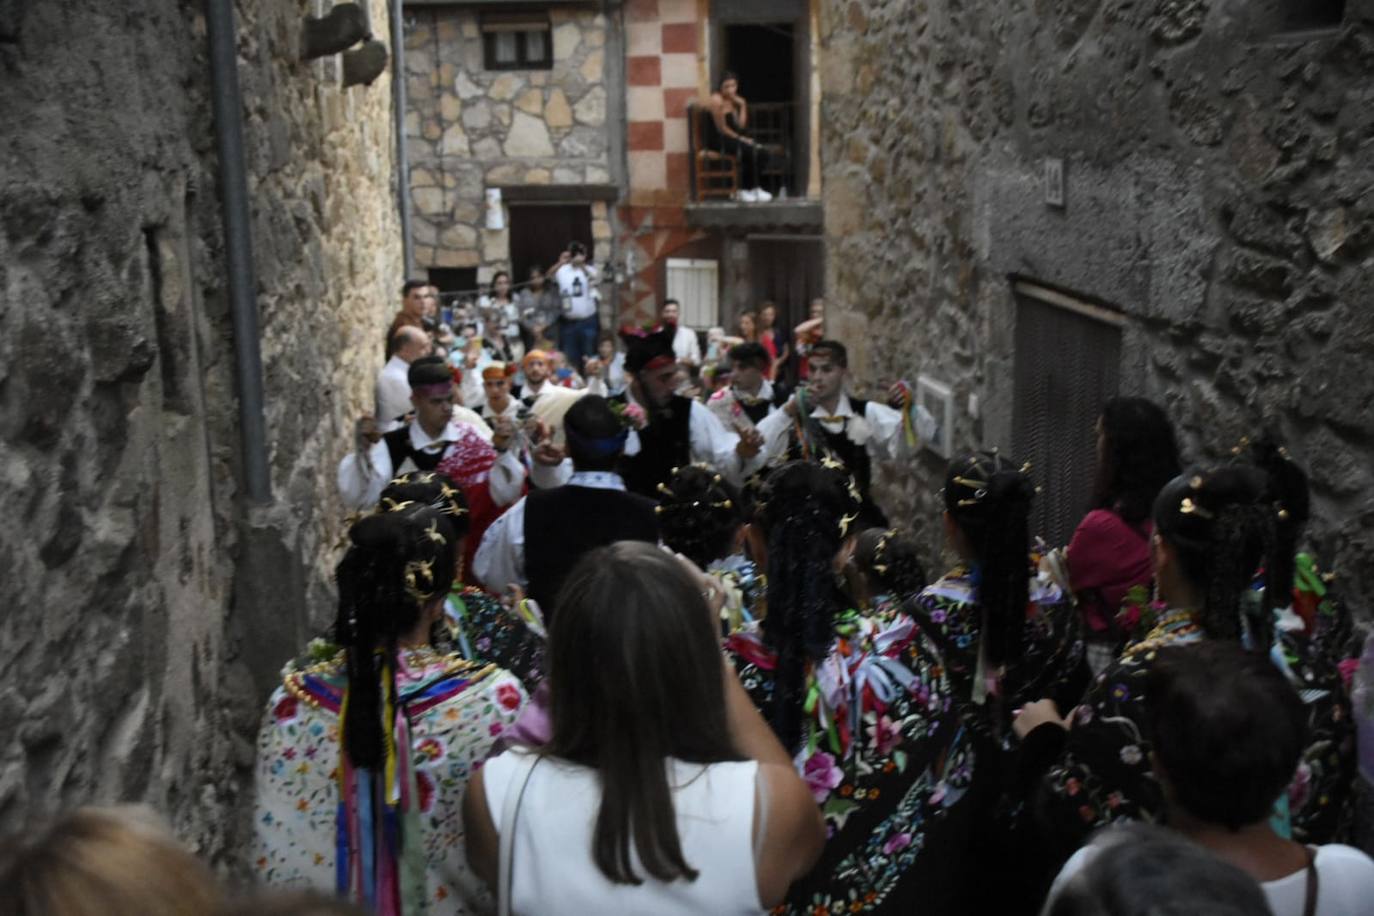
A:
{"x": 1173, "y": 627}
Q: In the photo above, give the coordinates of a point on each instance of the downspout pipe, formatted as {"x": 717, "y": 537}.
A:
{"x": 398, "y": 104}
{"x": 238, "y": 246}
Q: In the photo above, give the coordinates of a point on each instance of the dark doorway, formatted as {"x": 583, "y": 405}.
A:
{"x": 458, "y": 281}
{"x": 540, "y": 232}
{"x": 760, "y": 54}
{"x": 789, "y": 272}
{"x": 1067, "y": 364}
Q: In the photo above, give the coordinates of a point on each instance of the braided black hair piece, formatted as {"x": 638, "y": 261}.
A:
{"x": 1221, "y": 529}
{"x": 1286, "y": 491}
{"x": 990, "y": 499}
{"x": 806, "y": 510}
{"x": 398, "y": 562}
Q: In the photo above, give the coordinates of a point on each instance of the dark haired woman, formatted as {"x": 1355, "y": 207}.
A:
{"x": 728, "y": 132}
{"x": 1212, "y": 531}
{"x": 476, "y": 625}
{"x": 702, "y": 516}
{"x": 363, "y": 758}
{"x": 774, "y": 341}
{"x": 1109, "y": 553}
{"x": 502, "y": 319}
{"x": 1313, "y": 640}
{"x": 1007, "y": 632}
{"x": 862, "y": 703}
{"x": 661, "y": 789}
{"x": 886, "y": 567}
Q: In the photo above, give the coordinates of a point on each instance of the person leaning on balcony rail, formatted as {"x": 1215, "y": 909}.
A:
{"x": 727, "y": 133}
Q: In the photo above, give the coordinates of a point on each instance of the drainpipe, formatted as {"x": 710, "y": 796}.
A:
{"x": 238, "y": 246}
{"x": 398, "y": 103}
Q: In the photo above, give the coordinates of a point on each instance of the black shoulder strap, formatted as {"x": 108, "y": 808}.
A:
{"x": 1309, "y": 907}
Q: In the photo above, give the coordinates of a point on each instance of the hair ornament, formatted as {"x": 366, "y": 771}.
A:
{"x": 845, "y": 522}
{"x": 433, "y": 533}
{"x": 1188, "y": 507}
{"x": 416, "y": 569}
{"x": 1283, "y": 514}
{"x": 664, "y": 488}
{"x": 391, "y": 505}
{"x": 1195, "y": 483}
{"x": 1025, "y": 468}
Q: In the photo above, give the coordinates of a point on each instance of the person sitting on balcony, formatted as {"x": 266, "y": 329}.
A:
{"x": 726, "y": 134}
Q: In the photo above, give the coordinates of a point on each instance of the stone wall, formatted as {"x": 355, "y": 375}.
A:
{"x": 470, "y": 128}
{"x": 145, "y": 609}
{"x": 1218, "y": 193}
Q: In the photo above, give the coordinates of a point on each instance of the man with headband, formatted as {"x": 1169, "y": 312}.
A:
{"x": 435, "y": 441}
{"x": 679, "y": 431}
{"x": 546, "y": 399}
{"x": 539, "y": 539}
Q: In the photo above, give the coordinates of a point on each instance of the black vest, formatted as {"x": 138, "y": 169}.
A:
{"x": 398, "y": 446}
{"x": 664, "y": 444}
{"x": 759, "y": 409}
{"x": 563, "y": 523}
{"x": 855, "y": 459}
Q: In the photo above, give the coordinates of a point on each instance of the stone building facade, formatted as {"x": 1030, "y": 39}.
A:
{"x": 676, "y": 51}
{"x": 541, "y": 135}
{"x": 1191, "y": 179}
{"x": 148, "y": 608}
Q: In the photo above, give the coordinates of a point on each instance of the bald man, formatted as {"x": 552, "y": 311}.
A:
{"x": 408, "y": 344}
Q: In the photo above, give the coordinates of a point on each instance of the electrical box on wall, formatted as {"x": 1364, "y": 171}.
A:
{"x": 938, "y": 398}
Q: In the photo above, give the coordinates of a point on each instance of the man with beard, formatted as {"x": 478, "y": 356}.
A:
{"x": 676, "y": 431}
{"x": 546, "y": 399}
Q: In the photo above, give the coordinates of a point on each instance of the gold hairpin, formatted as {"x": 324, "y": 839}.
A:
{"x": 1195, "y": 483}
{"x": 1283, "y": 515}
{"x": 1025, "y": 468}
{"x": 971, "y": 483}
{"x": 432, "y": 532}
{"x": 845, "y": 522}
{"x": 665, "y": 489}
{"x": 1188, "y": 507}
{"x": 391, "y": 505}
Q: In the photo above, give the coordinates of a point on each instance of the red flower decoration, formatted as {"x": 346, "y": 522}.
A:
{"x": 507, "y": 697}
{"x": 425, "y": 784}
{"x": 285, "y": 709}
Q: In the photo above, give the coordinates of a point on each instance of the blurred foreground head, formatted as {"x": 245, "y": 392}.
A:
{"x": 103, "y": 862}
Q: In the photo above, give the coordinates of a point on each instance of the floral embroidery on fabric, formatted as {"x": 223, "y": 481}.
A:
{"x": 451, "y": 704}
{"x": 884, "y": 753}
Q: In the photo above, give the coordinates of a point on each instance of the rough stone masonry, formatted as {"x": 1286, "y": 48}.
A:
{"x": 1219, "y": 182}
{"x": 144, "y": 611}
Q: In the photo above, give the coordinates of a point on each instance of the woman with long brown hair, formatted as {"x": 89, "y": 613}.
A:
{"x": 694, "y": 806}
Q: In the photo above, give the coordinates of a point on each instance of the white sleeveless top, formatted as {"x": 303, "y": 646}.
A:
{"x": 554, "y": 871}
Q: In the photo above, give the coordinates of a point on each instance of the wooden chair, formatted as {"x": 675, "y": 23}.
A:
{"x": 715, "y": 175}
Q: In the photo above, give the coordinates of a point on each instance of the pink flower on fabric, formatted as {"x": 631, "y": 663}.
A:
{"x": 494, "y": 729}
{"x": 897, "y": 842}
{"x": 821, "y": 775}
{"x": 885, "y": 734}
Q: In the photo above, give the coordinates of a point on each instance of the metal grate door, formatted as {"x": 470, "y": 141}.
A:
{"x": 1067, "y": 364}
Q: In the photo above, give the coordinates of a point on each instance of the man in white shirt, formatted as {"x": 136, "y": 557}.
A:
{"x": 578, "y": 327}
{"x": 435, "y": 441}
{"x": 854, "y": 431}
{"x": 686, "y": 347}
{"x": 749, "y": 398}
{"x": 393, "y": 388}
{"x": 545, "y": 399}
{"x": 677, "y": 431}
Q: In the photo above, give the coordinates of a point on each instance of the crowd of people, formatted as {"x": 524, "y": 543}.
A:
{"x": 651, "y": 644}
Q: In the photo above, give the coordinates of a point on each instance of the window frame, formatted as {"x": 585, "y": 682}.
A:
{"x": 521, "y": 25}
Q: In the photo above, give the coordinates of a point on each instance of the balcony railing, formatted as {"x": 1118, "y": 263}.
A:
{"x": 717, "y": 172}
